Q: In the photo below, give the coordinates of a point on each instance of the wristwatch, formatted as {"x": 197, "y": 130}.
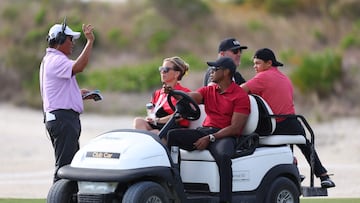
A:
{"x": 211, "y": 138}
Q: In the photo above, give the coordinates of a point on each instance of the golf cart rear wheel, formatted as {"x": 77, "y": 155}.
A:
{"x": 282, "y": 190}
{"x": 145, "y": 192}
{"x": 62, "y": 191}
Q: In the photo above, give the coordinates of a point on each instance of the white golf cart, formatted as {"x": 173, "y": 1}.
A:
{"x": 133, "y": 166}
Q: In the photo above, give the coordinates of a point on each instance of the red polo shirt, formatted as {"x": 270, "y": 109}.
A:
{"x": 219, "y": 107}
{"x": 159, "y": 94}
{"x": 275, "y": 88}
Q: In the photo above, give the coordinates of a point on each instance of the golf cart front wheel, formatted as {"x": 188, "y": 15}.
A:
{"x": 282, "y": 190}
{"x": 62, "y": 191}
{"x": 145, "y": 192}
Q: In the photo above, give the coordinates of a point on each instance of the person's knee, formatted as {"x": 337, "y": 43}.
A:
{"x": 140, "y": 123}
{"x": 137, "y": 121}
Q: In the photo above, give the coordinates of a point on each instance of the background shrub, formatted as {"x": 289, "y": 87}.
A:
{"x": 282, "y": 7}
{"x": 318, "y": 73}
{"x": 137, "y": 78}
{"x": 255, "y": 25}
{"x": 246, "y": 60}
{"x": 352, "y": 39}
{"x": 117, "y": 38}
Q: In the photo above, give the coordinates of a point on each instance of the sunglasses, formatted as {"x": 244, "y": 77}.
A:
{"x": 214, "y": 69}
{"x": 70, "y": 37}
{"x": 165, "y": 69}
{"x": 235, "y": 51}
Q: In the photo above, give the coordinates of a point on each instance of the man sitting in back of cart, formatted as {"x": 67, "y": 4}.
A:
{"x": 227, "y": 108}
{"x": 277, "y": 91}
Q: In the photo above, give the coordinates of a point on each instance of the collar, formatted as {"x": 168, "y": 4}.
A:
{"x": 53, "y": 50}
{"x": 229, "y": 89}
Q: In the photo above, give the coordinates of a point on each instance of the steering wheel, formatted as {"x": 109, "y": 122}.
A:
{"x": 185, "y": 105}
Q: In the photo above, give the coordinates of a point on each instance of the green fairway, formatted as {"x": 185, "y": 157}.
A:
{"x": 302, "y": 200}
{"x": 22, "y": 200}
{"x": 329, "y": 200}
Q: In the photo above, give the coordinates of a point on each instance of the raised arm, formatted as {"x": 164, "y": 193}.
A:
{"x": 83, "y": 58}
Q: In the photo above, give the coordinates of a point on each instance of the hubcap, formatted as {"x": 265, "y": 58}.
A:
{"x": 154, "y": 199}
{"x": 285, "y": 197}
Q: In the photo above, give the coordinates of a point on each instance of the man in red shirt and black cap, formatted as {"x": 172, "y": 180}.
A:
{"x": 227, "y": 108}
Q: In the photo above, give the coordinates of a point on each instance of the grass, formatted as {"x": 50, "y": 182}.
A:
{"x": 329, "y": 200}
{"x": 22, "y": 200}
{"x": 302, "y": 200}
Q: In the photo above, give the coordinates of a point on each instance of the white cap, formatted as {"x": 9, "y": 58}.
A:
{"x": 57, "y": 28}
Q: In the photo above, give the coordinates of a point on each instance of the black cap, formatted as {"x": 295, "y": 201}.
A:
{"x": 266, "y": 54}
{"x": 229, "y": 44}
{"x": 224, "y": 62}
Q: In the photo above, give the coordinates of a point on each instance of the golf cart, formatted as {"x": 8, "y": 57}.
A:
{"x": 134, "y": 166}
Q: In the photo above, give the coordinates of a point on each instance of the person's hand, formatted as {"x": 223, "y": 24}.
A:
{"x": 167, "y": 88}
{"x": 149, "y": 119}
{"x": 88, "y": 32}
{"x": 152, "y": 120}
{"x": 179, "y": 119}
{"x": 84, "y": 91}
{"x": 202, "y": 143}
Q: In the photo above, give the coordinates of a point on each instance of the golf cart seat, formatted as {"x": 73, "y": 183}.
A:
{"x": 258, "y": 129}
{"x": 266, "y": 126}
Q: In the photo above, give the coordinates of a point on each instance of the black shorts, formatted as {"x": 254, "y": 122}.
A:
{"x": 159, "y": 126}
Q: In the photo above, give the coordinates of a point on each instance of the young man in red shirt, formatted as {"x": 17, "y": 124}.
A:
{"x": 227, "y": 107}
{"x": 276, "y": 89}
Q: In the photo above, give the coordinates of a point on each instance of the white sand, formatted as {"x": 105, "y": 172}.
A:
{"x": 27, "y": 156}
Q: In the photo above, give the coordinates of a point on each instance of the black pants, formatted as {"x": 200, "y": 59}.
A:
{"x": 64, "y": 133}
{"x": 292, "y": 126}
{"x": 222, "y": 150}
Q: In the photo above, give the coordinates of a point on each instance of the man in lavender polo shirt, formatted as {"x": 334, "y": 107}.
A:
{"x": 61, "y": 95}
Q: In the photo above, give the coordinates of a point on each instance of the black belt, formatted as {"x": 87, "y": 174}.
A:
{"x": 208, "y": 130}
{"x": 65, "y": 111}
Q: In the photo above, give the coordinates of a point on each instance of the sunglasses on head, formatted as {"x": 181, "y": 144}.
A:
{"x": 165, "y": 69}
{"x": 235, "y": 51}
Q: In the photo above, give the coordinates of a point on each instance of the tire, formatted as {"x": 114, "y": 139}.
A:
{"x": 62, "y": 191}
{"x": 145, "y": 192}
{"x": 282, "y": 190}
